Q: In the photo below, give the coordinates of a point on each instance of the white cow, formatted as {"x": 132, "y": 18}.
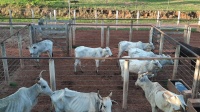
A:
{"x": 136, "y": 52}
{"x": 25, "y": 99}
{"x": 126, "y": 45}
{"x": 66, "y": 100}
{"x": 159, "y": 97}
{"x": 43, "y": 46}
{"x": 82, "y": 52}
{"x": 140, "y": 66}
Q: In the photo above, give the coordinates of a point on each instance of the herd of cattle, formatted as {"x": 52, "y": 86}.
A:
{"x": 66, "y": 100}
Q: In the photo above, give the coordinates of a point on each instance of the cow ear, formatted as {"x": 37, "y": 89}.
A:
{"x": 27, "y": 47}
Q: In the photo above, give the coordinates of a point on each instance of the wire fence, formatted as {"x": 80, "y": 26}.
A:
{"x": 109, "y": 77}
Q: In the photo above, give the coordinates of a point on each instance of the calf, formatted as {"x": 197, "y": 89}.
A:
{"x": 159, "y": 97}
{"x": 82, "y": 52}
{"x": 44, "y": 46}
{"x": 126, "y": 45}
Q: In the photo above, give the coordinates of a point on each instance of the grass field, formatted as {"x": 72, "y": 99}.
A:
{"x": 182, "y": 5}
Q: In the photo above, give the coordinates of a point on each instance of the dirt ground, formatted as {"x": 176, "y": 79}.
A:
{"x": 108, "y": 79}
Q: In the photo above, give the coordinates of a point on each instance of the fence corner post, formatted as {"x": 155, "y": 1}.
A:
{"x": 125, "y": 84}
{"x": 52, "y": 74}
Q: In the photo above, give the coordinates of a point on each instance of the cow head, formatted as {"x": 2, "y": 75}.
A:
{"x": 166, "y": 61}
{"x": 107, "y": 52}
{"x": 43, "y": 85}
{"x": 149, "y": 47}
{"x": 143, "y": 78}
{"x": 33, "y": 49}
{"x": 105, "y": 104}
{"x": 155, "y": 64}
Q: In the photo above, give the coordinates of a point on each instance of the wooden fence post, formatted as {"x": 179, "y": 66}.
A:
{"x": 20, "y": 50}
{"x": 108, "y": 36}
{"x": 102, "y": 34}
{"x": 161, "y": 44}
{"x": 33, "y": 16}
{"x": 50, "y": 16}
{"x": 52, "y": 74}
{"x": 179, "y": 13}
{"x": 117, "y": 14}
{"x": 158, "y": 19}
{"x": 67, "y": 38}
{"x": 185, "y": 33}
{"x": 73, "y": 33}
{"x": 31, "y": 33}
{"x": 70, "y": 40}
{"x": 125, "y": 84}
{"x": 196, "y": 80}
{"x": 54, "y": 13}
{"x": 5, "y": 63}
{"x": 151, "y": 35}
{"x": 131, "y": 31}
{"x": 138, "y": 17}
{"x": 10, "y": 22}
{"x": 176, "y": 61}
{"x": 188, "y": 35}
{"x": 95, "y": 16}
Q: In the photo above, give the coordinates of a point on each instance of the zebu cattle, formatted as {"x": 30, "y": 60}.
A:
{"x": 140, "y": 66}
{"x": 66, "y": 100}
{"x": 82, "y": 52}
{"x": 126, "y": 45}
{"x": 25, "y": 99}
{"x": 136, "y": 52}
{"x": 159, "y": 97}
{"x": 43, "y": 46}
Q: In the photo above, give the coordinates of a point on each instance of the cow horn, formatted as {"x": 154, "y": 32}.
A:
{"x": 113, "y": 101}
{"x": 99, "y": 96}
{"x": 110, "y": 95}
{"x": 41, "y": 73}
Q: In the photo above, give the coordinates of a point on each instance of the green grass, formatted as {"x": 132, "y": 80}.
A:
{"x": 182, "y": 5}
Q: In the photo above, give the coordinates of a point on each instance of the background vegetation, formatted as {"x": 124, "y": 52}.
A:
{"x": 182, "y": 5}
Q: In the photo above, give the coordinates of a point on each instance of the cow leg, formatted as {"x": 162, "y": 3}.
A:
{"x": 80, "y": 66}
{"x": 119, "y": 53}
{"x": 97, "y": 65}
{"x": 75, "y": 64}
{"x": 154, "y": 109}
